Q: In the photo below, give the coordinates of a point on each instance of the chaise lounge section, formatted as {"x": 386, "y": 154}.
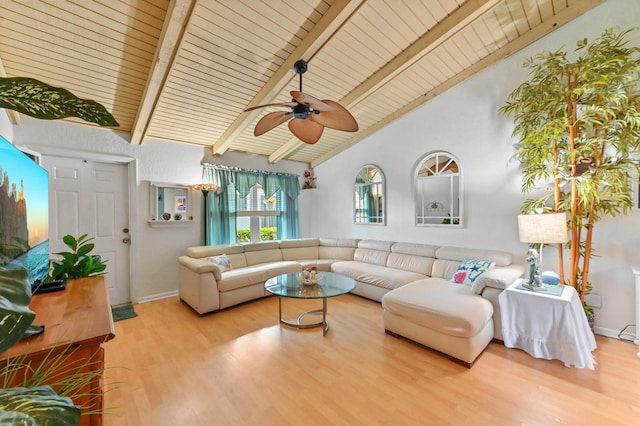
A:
{"x": 412, "y": 281}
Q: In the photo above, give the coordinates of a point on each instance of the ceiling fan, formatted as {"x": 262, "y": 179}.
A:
{"x": 308, "y": 116}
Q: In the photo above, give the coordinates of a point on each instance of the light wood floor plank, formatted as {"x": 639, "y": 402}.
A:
{"x": 239, "y": 367}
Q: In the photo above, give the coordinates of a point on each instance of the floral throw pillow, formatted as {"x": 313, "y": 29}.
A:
{"x": 222, "y": 261}
{"x": 470, "y": 269}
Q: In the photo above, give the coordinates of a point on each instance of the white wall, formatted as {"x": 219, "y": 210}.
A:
{"x": 154, "y": 251}
{"x": 6, "y": 130}
{"x": 465, "y": 122}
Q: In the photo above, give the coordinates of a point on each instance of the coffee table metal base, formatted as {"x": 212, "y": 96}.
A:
{"x": 298, "y": 322}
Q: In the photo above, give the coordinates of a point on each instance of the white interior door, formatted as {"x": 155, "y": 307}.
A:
{"x": 89, "y": 197}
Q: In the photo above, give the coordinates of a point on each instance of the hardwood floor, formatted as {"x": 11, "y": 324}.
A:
{"x": 239, "y": 367}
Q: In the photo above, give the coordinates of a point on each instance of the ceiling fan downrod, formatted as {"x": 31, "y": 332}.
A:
{"x": 300, "y": 67}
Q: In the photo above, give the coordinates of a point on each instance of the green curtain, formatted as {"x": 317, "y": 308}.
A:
{"x": 234, "y": 182}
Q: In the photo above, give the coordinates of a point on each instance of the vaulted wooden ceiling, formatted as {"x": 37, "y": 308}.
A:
{"x": 184, "y": 70}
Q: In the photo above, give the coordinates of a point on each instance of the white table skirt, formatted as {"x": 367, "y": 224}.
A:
{"x": 546, "y": 326}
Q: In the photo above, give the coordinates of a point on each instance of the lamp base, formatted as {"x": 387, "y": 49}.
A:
{"x": 533, "y": 287}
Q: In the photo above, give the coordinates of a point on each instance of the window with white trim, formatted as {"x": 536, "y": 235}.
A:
{"x": 257, "y": 216}
{"x": 438, "y": 190}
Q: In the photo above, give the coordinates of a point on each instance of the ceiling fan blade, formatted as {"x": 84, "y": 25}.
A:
{"x": 284, "y": 104}
{"x": 339, "y": 118}
{"x": 306, "y": 130}
{"x": 315, "y": 103}
{"x": 271, "y": 120}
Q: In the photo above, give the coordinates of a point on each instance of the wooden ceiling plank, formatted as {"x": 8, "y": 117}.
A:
{"x": 335, "y": 17}
{"x": 64, "y": 17}
{"x": 517, "y": 16}
{"x": 428, "y": 42}
{"x": 54, "y": 40}
{"x": 532, "y": 12}
{"x": 535, "y": 34}
{"x": 178, "y": 15}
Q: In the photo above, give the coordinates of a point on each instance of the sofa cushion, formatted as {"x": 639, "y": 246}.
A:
{"x": 501, "y": 258}
{"x": 222, "y": 262}
{"x": 470, "y": 270}
{"x": 377, "y": 275}
{"x": 440, "y": 305}
{"x": 258, "y": 253}
{"x": 407, "y": 262}
{"x": 422, "y": 250}
{"x": 301, "y": 242}
{"x": 375, "y": 245}
{"x": 206, "y": 251}
{"x": 337, "y": 248}
{"x": 499, "y": 278}
{"x": 373, "y": 251}
{"x": 300, "y": 253}
{"x": 238, "y": 278}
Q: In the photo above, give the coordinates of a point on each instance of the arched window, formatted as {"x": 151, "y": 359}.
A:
{"x": 438, "y": 190}
{"x": 369, "y": 196}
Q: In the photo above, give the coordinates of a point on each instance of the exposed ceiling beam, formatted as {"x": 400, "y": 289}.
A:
{"x": 521, "y": 42}
{"x": 330, "y": 22}
{"x": 14, "y": 116}
{"x": 459, "y": 19}
{"x": 178, "y": 15}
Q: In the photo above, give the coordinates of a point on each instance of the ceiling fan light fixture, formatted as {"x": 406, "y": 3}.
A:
{"x": 308, "y": 115}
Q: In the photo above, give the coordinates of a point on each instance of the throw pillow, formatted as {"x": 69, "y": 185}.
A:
{"x": 222, "y": 261}
{"x": 470, "y": 269}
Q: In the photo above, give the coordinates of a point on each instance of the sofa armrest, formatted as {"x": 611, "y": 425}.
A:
{"x": 499, "y": 278}
{"x": 200, "y": 266}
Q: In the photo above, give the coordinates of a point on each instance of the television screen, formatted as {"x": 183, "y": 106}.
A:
{"x": 24, "y": 213}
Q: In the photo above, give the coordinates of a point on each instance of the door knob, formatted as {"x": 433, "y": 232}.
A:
{"x": 126, "y": 240}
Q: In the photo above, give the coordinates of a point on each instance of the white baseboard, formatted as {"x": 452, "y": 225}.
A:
{"x": 157, "y": 296}
{"x": 607, "y": 332}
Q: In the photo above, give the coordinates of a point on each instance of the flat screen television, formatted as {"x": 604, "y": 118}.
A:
{"x": 24, "y": 213}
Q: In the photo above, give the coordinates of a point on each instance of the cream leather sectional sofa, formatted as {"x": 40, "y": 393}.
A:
{"x": 413, "y": 282}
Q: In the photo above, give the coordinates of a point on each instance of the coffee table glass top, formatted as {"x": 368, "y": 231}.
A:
{"x": 329, "y": 285}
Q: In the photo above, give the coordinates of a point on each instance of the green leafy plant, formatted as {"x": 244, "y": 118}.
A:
{"x": 40, "y": 100}
{"x": 578, "y": 121}
{"x": 78, "y": 262}
{"x": 38, "y": 405}
{"x": 268, "y": 234}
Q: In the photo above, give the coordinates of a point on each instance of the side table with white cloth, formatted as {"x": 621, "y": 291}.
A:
{"x": 547, "y": 326}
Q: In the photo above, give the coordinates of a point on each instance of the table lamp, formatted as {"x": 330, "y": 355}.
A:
{"x": 549, "y": 228}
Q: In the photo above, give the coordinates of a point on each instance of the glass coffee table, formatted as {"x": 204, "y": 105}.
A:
{"x": 329, "y": 285}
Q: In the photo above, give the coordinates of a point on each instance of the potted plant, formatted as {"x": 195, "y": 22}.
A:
{"x": 578, "y": 121}
{"x": 78, "y": 262}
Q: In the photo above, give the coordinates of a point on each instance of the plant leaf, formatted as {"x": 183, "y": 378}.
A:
{"x": 40, "y": 100}
{"x": 37, "y": 406}
{"x": 83, "y": 250}
{"x": 15, "y": 315}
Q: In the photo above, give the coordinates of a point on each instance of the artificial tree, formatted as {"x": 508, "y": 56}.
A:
{"x": 578, "y": 122}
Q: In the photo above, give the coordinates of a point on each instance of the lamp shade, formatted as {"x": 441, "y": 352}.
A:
{"x": 550, "y": 228}
{"x": 206, "y": 187}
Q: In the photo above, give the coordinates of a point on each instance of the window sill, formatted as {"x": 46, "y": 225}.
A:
{"x": 169, "y": 223}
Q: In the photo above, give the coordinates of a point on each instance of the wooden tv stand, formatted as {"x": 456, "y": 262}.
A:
{"x": 77, "y": 322}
